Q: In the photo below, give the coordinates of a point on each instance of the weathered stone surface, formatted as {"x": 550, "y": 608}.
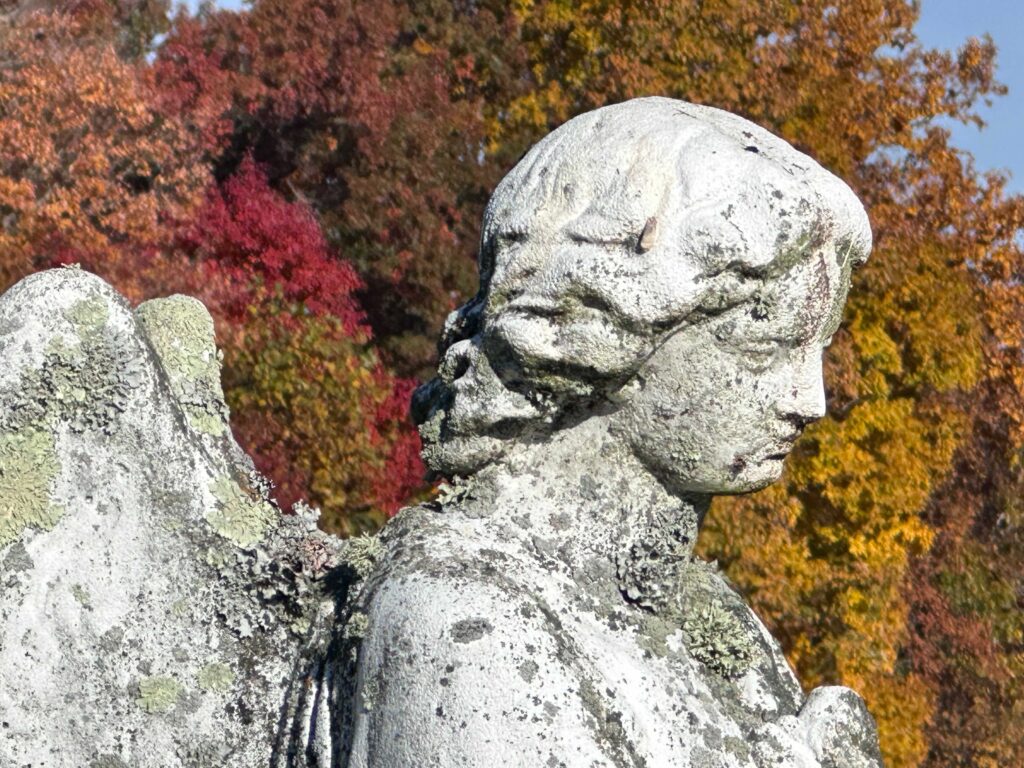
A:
{"x": 658, "y": 280}
{"x": 154, "y": 606}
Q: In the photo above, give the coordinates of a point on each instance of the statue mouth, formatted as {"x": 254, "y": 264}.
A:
{"x": 536, "y": 309}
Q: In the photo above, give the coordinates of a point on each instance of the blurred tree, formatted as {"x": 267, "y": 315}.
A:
{"x": 90, "y": 171}
{"x": 350, "y": 110}
{"x": 131, "y": 25}
{"x": 104, "y": 166}
{"x": 309, "y": 400}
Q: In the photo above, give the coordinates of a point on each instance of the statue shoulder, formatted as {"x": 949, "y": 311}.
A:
{"x": 459, "y": 664}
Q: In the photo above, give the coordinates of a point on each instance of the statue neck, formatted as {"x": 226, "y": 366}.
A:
{"x": 583, "y": 497}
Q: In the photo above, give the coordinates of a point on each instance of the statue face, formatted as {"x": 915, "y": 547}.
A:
{"x": 720, "y": 402}
{"x": 718, "y": 406}
{"x": 674, "y": 259}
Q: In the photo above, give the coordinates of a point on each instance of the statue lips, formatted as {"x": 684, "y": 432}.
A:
{"x": 785, "y": 445}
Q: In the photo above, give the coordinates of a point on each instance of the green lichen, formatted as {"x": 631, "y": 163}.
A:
{"x": 216, "y": 678}
{"x": 430, "y": 430}
{"x": 300, "y": 626}
{"x": 158, "y": 694}
{"x": 171, "y": 524}
{"x": 460, "y": 489}
{"x": 182, "y": 334}
{"x": 715, "y": 637}
{"x": 81, "y": 594}
{"x": 357, "y": 625}
{"x": 362, "y": 554}
{"x": 89, "y": 316}
{"x": 84, "y": 381}
{"x": 370, "y": 693}
{"x": 237, "y": 516}
{"x": 28, "y": 467}
{"x": 215, "y": 558}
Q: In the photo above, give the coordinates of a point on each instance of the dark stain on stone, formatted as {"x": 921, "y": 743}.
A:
{"x": 470, "y": 630}
{"x": 527, "y": 670}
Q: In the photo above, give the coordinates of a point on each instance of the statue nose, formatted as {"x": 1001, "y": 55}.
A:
{"x": 804, "y": 402}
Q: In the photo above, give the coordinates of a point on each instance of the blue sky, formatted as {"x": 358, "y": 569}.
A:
{"x": 947, "y": 24}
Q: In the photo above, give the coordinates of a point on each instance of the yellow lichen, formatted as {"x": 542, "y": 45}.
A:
{"x": 216, "y": 677}
{"x": 158, "y": 694}
{"x": 28, "y": 466}
{"x": 237, "y": 516}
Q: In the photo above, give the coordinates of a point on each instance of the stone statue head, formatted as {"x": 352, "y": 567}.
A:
{"x": 673, "y": 267}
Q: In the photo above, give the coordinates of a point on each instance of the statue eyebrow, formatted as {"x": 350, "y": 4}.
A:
{"x": 610, "y": 239}
{"x": 591, "y": 228}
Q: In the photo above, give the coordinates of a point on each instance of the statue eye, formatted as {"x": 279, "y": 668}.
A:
{"x": 511, "y": 237}
{"x": 757, "y": 356}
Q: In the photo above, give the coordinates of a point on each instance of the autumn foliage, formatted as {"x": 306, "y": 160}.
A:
{"x": 315, "y": 170}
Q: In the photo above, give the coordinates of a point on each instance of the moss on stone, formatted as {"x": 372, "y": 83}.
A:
{"x": 216, "y": 678}
{"x": 238, "y": 517}
{"x": 28, "y": 467}
{"x": 182, "y": 334}
{"x": 158, "y": 693}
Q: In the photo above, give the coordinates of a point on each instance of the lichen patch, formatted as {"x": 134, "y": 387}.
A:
{"x": 28, "y": 467}
{"x": 85, "y": 384}
{"x": 362, "y": 554}
{"x": 237, "y": 516}
{"x": 716, "y": 638}
{"x": 216, "y": 678}
{"x": 89, "y": 316}
{"x": 182, "y": 334}
{"x": 158, "y": 693}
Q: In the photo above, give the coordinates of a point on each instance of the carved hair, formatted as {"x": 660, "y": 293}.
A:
{"x": 727, "y": 205}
